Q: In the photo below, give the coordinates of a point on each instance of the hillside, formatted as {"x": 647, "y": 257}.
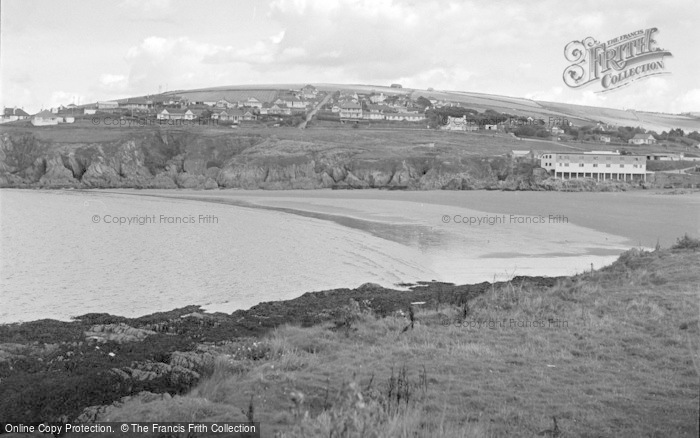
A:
{"x": 577, "y": 114}
{"x": 80, "y": 155}
{"x": 613, "y": 352}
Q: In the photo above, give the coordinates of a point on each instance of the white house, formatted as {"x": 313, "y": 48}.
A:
{"x": 557, "y": 131}
{"x": 600, "y": 166}
{"x": 351, "y": 110}
{"x": 223, "y": 103}
{"x": 293, "y": 102}
{"x": 252, "y": 102}
{"x": 459, "y": 124}
{"x": 13, "y": 114}
{"x": 642, "y": 139}
{"x": 45, "y": 118}
{"x": 228, "y": 115}
{"x": 176, "y": 114}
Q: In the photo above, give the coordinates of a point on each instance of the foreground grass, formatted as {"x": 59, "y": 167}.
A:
{"x": 618, "y": 355}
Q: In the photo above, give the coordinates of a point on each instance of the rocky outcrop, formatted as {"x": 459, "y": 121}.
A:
{"x": 118, "y": 333}
{"x": 184, "y": 160}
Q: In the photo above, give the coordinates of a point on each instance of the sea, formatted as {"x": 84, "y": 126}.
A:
{"x": 65, "y": 253}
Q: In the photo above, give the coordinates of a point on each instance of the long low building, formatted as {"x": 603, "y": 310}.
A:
{"x": 599, "y": 166}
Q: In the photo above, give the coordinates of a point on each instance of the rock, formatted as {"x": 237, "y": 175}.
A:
{"x": 119, "y": 333}
{"x": 192, "y": 360}
{"x": 99, "y": 174}
{"x": 189, "y": 181}
{"x": 210, "y": 184}
{"x": 195, "y": 166}
{"x": 57, "y": 174}
{"x": 163, "y": 180}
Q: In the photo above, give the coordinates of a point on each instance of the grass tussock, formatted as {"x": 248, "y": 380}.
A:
{"x": 613, "y": 352}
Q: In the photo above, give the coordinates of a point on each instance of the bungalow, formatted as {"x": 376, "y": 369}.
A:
{"x": 45, "y": 118}
{"x": 249, "y": 115}
{"x": 642, "y": 139}
{"x": 335, "y": 108}
{"x": 176, "y": 114}
{"x": 351, "y": 111}
{"x": 223, "y": 103}
{"x": 294, "y": 102}
{"x": 280, "y": 109}
{"x": 252, "y": 102}
{"x": 490, "y": 127}
{"x": 231, "y": 115}
{"x": 275, "y": 109}
{"x": 13, "y": 114}
{"x": 89, "y": 110}
{"x": 604, "y": 138}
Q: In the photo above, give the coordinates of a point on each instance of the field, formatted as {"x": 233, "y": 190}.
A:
{"x": 612, "y": 352}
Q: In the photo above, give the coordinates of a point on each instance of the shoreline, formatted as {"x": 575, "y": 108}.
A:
{"x": 461, "y": 255}
{"x": 76, "y": 371}
{"x": 169, "y": 352}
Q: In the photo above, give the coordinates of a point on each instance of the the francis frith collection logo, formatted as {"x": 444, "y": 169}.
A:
{"x": 615, "y": 63}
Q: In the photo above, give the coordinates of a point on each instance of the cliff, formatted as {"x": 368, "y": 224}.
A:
{"x": 182, "y": 159}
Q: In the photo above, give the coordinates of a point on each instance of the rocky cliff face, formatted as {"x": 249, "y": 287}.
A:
{"x": 183, "y": 160}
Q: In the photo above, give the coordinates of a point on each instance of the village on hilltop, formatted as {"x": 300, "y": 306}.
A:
{"x": 391, "y": 108}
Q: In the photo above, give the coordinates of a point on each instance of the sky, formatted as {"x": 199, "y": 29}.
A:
{"x": 56, "y": 52}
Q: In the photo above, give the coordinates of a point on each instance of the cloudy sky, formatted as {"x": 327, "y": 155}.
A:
{"x": 58, "y": 51}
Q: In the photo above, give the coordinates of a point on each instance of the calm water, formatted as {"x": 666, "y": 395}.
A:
{"x": 64, "y": 253}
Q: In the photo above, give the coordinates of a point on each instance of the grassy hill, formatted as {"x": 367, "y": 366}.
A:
{"x": 578, "y": 114}
{"x": 612, "y": 352}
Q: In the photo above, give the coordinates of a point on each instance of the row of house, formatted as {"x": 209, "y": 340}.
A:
{"x": 599, "y": 165}
{"x": 13, "y": 114}
{"x": 350, "y": 111}
{"x": 223, "y": 115}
